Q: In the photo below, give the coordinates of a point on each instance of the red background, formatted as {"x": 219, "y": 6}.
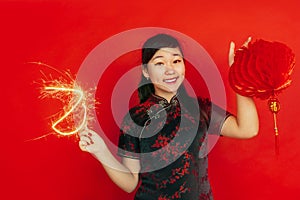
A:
{"x": 62, "y": 33}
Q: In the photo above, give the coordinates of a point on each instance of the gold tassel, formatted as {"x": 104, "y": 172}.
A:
{"x": 274, "y": 106}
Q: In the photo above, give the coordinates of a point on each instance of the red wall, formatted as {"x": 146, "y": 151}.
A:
{"x": 62, "y": 33}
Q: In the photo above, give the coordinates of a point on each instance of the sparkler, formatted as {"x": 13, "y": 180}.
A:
{"x": 77, "y": 102}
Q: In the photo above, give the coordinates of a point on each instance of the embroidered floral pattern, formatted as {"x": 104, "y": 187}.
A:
{"x": 151, "y": 128}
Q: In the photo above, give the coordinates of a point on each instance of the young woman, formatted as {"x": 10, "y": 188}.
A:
{"x": 162, "y": 137}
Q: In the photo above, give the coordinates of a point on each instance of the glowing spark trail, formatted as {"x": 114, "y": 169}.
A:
{"x": 72, "y": 109}
{"x": 76, "y": 102}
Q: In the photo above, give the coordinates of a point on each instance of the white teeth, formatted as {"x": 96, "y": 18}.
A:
{"x": 170, "y": 80}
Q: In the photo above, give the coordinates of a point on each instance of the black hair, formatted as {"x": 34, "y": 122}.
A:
{"x": 146, "y": 88}
{"x": 150, "y": 47}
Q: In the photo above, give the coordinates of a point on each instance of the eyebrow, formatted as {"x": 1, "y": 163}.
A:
{"x": 175, "y": 54}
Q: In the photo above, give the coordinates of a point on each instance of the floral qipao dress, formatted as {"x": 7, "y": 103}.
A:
{"x": 169, "y": 139}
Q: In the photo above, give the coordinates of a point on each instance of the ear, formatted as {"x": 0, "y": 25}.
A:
{"x": 145, "y": 72}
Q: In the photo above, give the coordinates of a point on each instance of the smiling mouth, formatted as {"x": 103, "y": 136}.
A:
{"x": 171, "y": 80}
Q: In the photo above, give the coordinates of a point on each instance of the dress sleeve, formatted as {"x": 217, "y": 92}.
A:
{"x": 214, "y": 116}
{"x": 129, "y": 145}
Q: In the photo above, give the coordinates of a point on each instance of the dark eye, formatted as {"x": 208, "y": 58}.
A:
{"x": 159, "y": 64}
{"x": 177, "y": 61}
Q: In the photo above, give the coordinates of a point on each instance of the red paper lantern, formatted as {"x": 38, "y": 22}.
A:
{"x": 263, "y": 70}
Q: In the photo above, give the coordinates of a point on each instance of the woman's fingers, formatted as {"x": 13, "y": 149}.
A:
{"x": 90, "y": 141}
{"x": 83, "y": 145}
{"x": 232, "y": 50}
{"x": 87, "y": 132}
{"x": 246, "y": 43}
{"x": 86, "y": 138}
{"x": 231, "y": 53}
{"x": 84, "y": 132}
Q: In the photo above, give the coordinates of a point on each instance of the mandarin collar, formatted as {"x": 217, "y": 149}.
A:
{"x": 164, "y": 102}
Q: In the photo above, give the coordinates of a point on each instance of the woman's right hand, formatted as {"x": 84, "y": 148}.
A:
{"x": 91, "y": 142}
{"x": 125, "y": 175}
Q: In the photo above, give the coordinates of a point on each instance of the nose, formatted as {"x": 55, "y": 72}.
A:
{"x": 169, "y": 69}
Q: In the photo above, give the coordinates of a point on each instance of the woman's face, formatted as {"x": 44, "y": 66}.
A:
{"x": 166, "y": 71}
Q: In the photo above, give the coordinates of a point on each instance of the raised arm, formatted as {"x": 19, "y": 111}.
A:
{"x": 124, "y": 174}
{"x": 245, "y": 124}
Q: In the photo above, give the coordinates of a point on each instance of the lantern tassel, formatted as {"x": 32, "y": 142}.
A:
{"x": 274, "y": 106}
{"x": 276, "y": 134}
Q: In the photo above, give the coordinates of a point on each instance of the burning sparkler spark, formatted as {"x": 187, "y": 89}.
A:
{"x": 76, "y": 102}
{"x": 80, "y": 102}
